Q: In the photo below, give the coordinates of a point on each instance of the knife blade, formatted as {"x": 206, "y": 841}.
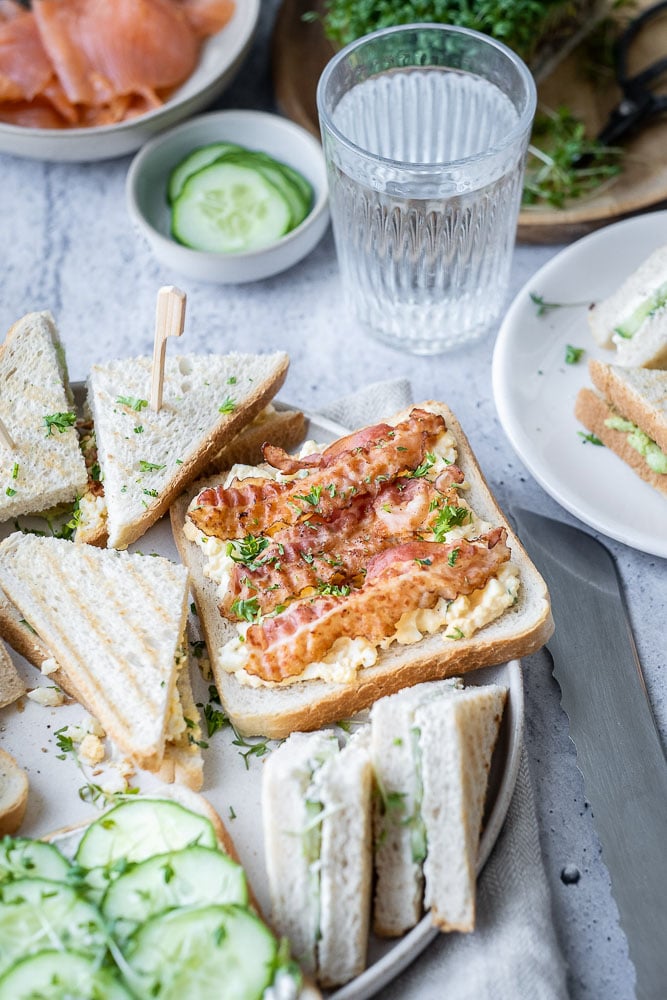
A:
{"x": 618, "y": 746}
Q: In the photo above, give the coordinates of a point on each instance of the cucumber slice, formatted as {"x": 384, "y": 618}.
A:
{"x": 57, "y": 975}
{"x": 139, "y": 828}
{"x": 273, "y": 171}
{"x": 201, "y": 157}
{"x": 36, "y": 914}
{"x": 23, "y": 858}
{"x": 207, "y": 952}
{"x": 193, "y": 877}
{"x": 227, "y": 208}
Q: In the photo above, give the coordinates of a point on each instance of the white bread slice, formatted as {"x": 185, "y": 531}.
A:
{"x": 43, "y": 469}
{"x": 180, "y": 439}
{"x": 648, "y": 346}
{"x": 345, "y": 785}
{"x": 277, "y": 711}
{"x": 399, "y": 881}
{"x": 13, "y": 794}
{"x": 286, "y": 778}
{"x": 11, "y": 686}
{"x": 113, "y": 622}
{"x": 322, "y": 903}
{"x": 456, "y": 740}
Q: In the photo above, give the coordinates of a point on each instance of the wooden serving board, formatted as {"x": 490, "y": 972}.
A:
{"x": 301, "y": 51}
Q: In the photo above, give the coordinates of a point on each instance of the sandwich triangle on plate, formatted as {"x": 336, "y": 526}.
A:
{"x": 113, "y": 624}
{"x": 431, "y": 747}
{"x": 634, "y": 319}
{"x": 316, "y": 814}
{"x": 147, "y": 458}
{"x": 628, "y": 414}
{"x": 44, "y": 466}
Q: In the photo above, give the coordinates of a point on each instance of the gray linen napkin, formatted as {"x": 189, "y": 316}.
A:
{"x": 513, "y": 953}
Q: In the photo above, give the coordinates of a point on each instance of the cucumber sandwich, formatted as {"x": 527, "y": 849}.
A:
{"x": 628, "y": 413}
{"x": 152, "y": 904}
{"x": 634, "y": 319}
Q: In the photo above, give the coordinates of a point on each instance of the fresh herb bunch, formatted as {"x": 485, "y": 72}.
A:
{"x": 563, "y": 163}
{"x": 517, "y": 23}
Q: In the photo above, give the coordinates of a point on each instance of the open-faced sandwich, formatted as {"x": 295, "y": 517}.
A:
{"x": 327, "y": 580}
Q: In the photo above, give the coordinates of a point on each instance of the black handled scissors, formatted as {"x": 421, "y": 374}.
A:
{"x": 639, "y": 101}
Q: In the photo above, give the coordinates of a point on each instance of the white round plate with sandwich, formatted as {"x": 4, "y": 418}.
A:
{"x": 535, "y": 388}
{"x": 233, "y": 773}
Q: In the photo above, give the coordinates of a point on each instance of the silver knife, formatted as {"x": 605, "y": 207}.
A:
{"x": 613, "y": 729}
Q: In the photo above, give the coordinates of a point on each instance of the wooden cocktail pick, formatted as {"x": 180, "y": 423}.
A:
{"x": 169, "y": 322}
{"x": 6, "y": 438}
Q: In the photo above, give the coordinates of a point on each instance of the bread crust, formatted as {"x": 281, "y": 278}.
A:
{"x": 307, "y": 705}
{"x": 592, "y": 410}
{"x": 285, "y": 428}
{"x": 13, "y": 794}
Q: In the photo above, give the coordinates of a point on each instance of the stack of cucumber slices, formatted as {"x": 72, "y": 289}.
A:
{"x": 149, "y": 907}
{"x": 228, "y": 199}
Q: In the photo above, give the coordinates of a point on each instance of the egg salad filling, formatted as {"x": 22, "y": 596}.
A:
{"x": 456, "y": 620}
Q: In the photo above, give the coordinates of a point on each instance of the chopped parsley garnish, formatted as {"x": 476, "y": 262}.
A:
{"x": 215, "y": 719}
{"x": 227, "y": 406}
{"x": 312, "y": 497}
{"x": 456, "y": 633}
{"x": 95, "y": 472}
{"x": 452, "y": 557}
{"x": 15, "y": 471}
{"x": 10, "y": 492}
{"x": 149, "y": 466}
{"x": 331, "y": 489}
{"x": 61, "y": 421}
{"x": 151, "y": 493}
{"x": 232, "y": 380}
{"x": 573, "y": 354}
{"x": 449, "y": 517}
{"x": 198, "y": 648}
{"x": 590, "y": 439}
{"x": 424, "y": 562}
{"x": 258, "y": 749}
{"x": 132, "y": 402}
{"x": 248, "y": 550}
{"x": 307, "y": 557}
{"x": 333, "y": 589}
{"x": 247, "y": 610}
{"x": 139, "y": 429}
{"x": 425, "y": 467}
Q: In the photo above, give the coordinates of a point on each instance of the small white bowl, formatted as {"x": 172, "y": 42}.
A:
{"x": 221, "y": 57}
{"x": 146, "y": 190}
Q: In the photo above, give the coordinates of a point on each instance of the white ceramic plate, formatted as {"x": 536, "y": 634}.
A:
{"x": 27, "y": 732}
{"x": 220, "y": 59}
{"x": 535, "y": 390}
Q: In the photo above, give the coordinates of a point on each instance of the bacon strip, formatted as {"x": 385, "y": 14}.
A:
{"x": 316, "y": 552}
{"x": 399, "y": 579}
{"x": 359, "y": 468}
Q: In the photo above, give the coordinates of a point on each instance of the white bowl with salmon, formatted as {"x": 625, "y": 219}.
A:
{"x": 91, "y": 80}
{"x": 230, "y": 196}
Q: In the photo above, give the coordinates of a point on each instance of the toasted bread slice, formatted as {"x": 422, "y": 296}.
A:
{"x": 11, "y": 686}
{"x": 45, "y": 467}
{"x": 148, "y": 458}
{"x": 113, "y": 623}
{"x": 13, "y": 794}
{"x": 285, "y": 428}
{"x": 305, "y": 705}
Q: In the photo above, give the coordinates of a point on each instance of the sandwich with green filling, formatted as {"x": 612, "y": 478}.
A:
{"x": 628, "y": 413}
{"x": 633, "y": 320}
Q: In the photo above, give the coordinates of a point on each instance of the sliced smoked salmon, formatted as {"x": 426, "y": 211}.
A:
{"x": 92, "y": 62}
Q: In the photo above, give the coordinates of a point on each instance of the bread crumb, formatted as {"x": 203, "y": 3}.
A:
{"x": 91, "y": 750}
